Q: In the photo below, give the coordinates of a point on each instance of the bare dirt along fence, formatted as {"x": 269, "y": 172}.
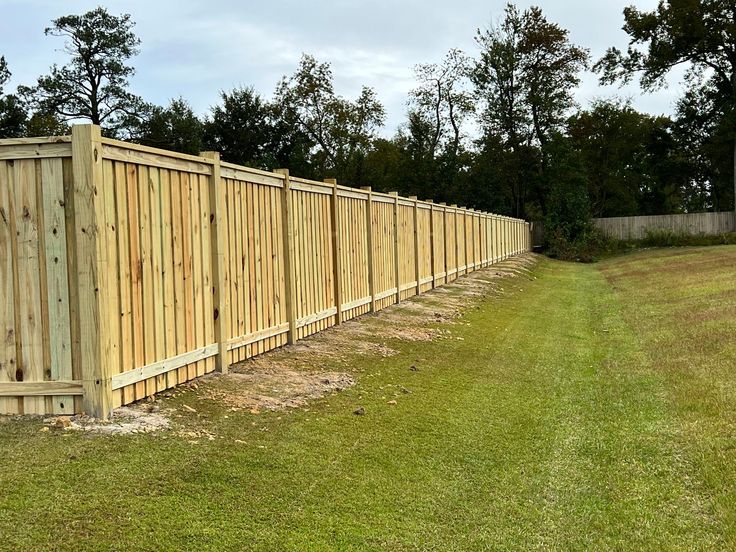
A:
{"x": 126, "y": 270}
{"x": 636, "y": 228}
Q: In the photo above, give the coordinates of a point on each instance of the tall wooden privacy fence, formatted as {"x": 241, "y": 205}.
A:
{"x": 126, "y": 270}
{"x": 636, "y": 228}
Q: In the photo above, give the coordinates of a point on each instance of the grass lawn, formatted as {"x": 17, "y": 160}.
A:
{"x": 593, "y": 407}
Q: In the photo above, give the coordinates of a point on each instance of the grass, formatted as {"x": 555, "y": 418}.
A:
{"x": 593, "y": 407}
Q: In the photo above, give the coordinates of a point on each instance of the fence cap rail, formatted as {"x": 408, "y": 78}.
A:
{"x": 33, "y": 141}
{"x": 157, "y": 151}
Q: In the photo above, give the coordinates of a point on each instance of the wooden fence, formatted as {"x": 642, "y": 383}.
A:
{"x": 126, "y": 270}
{"x": 636, "y": 228}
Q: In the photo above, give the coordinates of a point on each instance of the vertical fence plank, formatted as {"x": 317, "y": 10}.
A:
{"x": 8, "y": 358}
{"x": 369, "y": 246}
{"x": 289, "y": 260}
{"x": 337, "y": 228}
{"x": 57, "y": 277}
{"x": 397, "y": 270}
{"x": 220, "y": 283}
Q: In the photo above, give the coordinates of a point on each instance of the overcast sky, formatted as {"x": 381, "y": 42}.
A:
{"x": 195, "y": 48}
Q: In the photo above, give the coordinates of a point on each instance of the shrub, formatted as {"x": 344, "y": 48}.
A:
{"x": 668, "y": 238}
{"x": 586, "y": 247}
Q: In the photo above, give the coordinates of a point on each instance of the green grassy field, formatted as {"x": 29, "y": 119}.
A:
{"x": 593, "y": 407}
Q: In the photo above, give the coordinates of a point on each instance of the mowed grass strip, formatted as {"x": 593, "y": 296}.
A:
{"x": 550, "y": 418}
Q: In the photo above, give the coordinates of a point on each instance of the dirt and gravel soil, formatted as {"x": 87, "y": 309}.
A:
{"x": 292, "y": 376}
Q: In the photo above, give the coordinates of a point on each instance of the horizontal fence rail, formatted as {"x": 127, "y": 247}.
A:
{"x": 636, "y": 228}
{"x": 126, "y": 270}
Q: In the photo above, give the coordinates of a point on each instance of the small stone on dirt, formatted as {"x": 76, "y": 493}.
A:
{"x": 62, "y": 422}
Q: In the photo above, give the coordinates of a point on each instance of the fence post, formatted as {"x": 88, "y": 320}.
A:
{"x": 483, "y": 239}
{"x": 444, "y": 239}
{"x": 369, "y": 244}
{"x": 457, "y": 241}
{"x": 336, "y": 249}
{"x": 288, "y": 230}
{"x": 473, "y": 237}
{"x": 220, "y": 291}
{"x": 397, "y": 272}
{"x": 416, "y": 240}
{"x": 90, "y": 264}
{"x": 494, "y": 237}
{"x": 431, "y": 241}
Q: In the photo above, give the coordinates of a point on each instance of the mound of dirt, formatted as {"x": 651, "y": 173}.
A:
{"x": 139, "y": 418}
{"x": 258, "y": 385}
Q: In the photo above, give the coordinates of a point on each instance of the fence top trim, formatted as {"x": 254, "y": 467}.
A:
{"x": 33, "y": 141}
{"x": 251, "y": 170}
{"x": 157, "y": 151}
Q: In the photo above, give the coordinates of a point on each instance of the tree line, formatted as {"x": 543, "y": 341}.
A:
{"x": 498, "y": 130}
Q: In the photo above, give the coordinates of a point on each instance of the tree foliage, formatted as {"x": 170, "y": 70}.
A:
{"x": 700, "y": 34}
{"x": 443, "y": 99}
{"x": 524, "y": 79}
{"x": 13, "y": 114}
{"x": 241, "y": 128}
{"x": 342, "y": 130}
{"x": 93, "y": 85}
{"x": 174, "y": 127}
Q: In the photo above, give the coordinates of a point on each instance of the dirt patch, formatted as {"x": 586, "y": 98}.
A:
{"x": 139, "y": 418}
{"x": 259, "y": 385}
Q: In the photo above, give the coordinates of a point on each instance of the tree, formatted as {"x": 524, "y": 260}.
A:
{"x": 442, "y": 97}
{"x": 524, "y": 80}
{"x": 174, "y": 127}
{"x": 550, "y": 68}
{"x": 13, "y": 114}
{"x": 241, "y": 129}
{"x": 697, "y": 33}
{"x": 631, "y": 160}
{"x": 94, "y": 84}
{"x": 15, "y": 119}
{"x": 705, "y": 136}
{"x": 4, "y": 74}
{"x": 342, "y": 130}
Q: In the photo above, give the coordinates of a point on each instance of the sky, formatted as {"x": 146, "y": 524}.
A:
{"x": 195, "y": 49}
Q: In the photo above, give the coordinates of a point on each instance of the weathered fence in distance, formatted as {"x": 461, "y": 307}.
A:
{"x": 126, "y": 270}
{"x": 636, "y": 228}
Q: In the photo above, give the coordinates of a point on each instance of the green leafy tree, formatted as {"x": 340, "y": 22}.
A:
{"x": 568, "y": 227}
{"x": 700, "y": 34}
{"x": 443, "y": 97}
{"x": 94, "y": 84}
{"x": 524, "y": 79}
{"x": 241, "y": 128}
{"x": 342, "y": 130}
{"x": 175, "y": 127}
{"x": 705, "y": 134}
{"x": 13, "y": 114}
{"x": 630, "y": 159}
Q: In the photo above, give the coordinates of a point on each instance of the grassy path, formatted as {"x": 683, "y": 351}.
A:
{"x": 549, "y": 420}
